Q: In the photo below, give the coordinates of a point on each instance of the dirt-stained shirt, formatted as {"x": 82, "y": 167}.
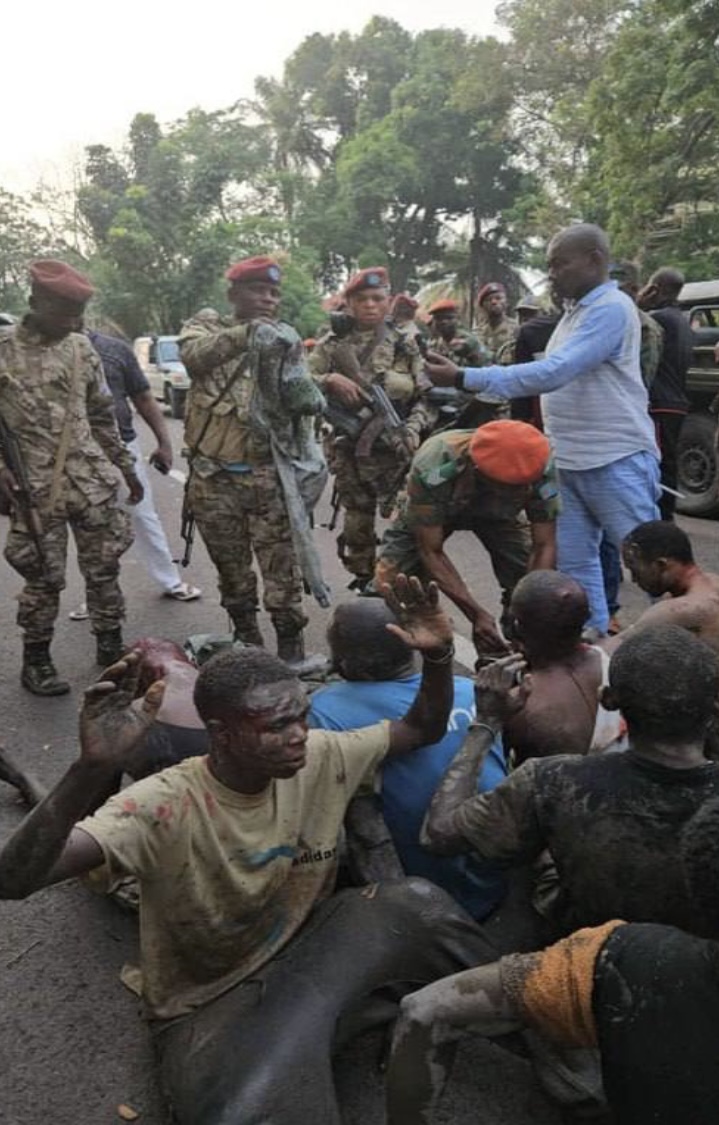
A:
{"x": 432, "y": 500}
{"x": 226, "y": 879}
{"x": 612, "y": 823}
{"x": 40, "y": 383}
{"x": 394, "y": 362}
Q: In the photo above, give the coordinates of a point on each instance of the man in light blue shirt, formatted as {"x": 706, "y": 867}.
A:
{"x": 594, "y": 405}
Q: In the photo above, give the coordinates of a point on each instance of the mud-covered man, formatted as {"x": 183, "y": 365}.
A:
{"x": 54, "y": 399}
{"x": 235, "y": 492}
{"x": 369, "y": 459}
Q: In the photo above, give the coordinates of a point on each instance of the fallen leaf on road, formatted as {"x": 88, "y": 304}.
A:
{"x": 127, "y": 1113}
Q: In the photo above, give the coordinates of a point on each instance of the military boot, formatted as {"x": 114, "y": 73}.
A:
{"x": 246, "y": 629}
{"x": 110, "y": 647}
{"x": 39, "y": 674}
{"x": 291, "y": 649}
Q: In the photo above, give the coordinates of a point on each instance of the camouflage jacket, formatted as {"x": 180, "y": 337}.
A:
{"x": 495, "y": 336}
{"x": 225, "y": 360}
{"x": 464, "y": 349}
{"x": 650, "y": 349}
{"x": 39, "y": 383}
{"x": 395, "y": 363}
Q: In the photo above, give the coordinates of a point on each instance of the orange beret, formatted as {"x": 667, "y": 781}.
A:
{"x": 404, "y": 299}
{"x": 309, "y": 343}
{"x": 254, "y": 269}
{"x": 510, "y": 452}
{"x": 489, "y": 290}
{"x": 62, "y": 280}
{"x": 376, "y": 277}
{"x": 442, "y": 306}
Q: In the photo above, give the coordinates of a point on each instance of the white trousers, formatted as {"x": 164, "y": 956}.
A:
{"x": 150, "y": 540}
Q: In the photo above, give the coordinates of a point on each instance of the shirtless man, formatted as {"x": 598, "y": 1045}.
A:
{"x": 660, "y": 558}
{"x": 561, "y": 714}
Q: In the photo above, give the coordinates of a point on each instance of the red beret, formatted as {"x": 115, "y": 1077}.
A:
{"x": 60, "y": 279}
{"x": 404, "y": 299}
{"x": 254, "y": 269}
{"x": 489, "y": 290}
{"x": 510, "y": 452}
{"x": 442, "y": 306}
{"x": 309, "y": 343}
{"x": 376, "y": 277}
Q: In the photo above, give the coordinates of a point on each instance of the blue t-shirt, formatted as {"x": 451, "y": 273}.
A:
{"x": 409, "y": 780}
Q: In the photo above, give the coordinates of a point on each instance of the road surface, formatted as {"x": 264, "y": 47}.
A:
{"x": 72, "y": 1048}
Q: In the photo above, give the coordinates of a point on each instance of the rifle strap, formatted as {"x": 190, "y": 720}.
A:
{"x": 66, "y": 435}
{"x": 241, "y": 367}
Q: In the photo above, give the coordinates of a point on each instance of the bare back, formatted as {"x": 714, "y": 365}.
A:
{"x": 560, "y": 714}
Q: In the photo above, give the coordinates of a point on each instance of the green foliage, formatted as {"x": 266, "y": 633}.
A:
{"x": 448, "y": 158}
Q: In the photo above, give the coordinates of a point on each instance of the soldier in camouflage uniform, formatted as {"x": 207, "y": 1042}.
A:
{"x": 369, "y": 473}
{"x": 464, "y": 349}
{"x": 495, "y": 329}
{"x": 54, "y": 398}
{"x": 498, "y": 481}
{"x": 234, "y": 490}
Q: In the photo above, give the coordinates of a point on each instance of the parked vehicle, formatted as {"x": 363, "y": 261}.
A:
{"x": 697, "y": 456}
{"x": 159, "y": 358}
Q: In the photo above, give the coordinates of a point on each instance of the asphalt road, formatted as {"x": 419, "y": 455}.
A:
{"x": 72, "y": 1048}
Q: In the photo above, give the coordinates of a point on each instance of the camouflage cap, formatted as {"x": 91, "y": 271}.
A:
{"x": 61, "y": 280}
{"x": 376, "y": 277}
{"x": 260, "y": 268}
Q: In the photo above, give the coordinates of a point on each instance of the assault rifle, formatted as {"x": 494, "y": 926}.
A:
{"x": 23, "y": 497}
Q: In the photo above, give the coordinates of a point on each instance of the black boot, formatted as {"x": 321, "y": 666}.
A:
{"x": 244, "y": 619}
{"x": 110, "y": 647}
{"x": 291, "y": 649}
{"x": 39, "y": 674}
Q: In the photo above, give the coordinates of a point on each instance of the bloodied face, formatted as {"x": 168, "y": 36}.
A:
{"x": 268, "y": 738}
{"x": 649, "y": 576}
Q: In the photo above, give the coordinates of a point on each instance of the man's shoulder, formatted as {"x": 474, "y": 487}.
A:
{"x": 370, "y": 738}
{"x": 203, "y": 321}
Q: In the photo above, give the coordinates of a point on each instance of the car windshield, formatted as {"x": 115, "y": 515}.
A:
{"x": 168, "y": 351}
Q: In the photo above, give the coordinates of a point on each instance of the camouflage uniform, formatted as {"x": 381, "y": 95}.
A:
{"x": 498, "y": 514}
{"x": 365, "y": 483}
{"x": 475, "y": 409}
{"x": 235, "y": 492}
{"x": 495, "y": 336}
{"x": 39, "y": 383}
{"x": 650, "y": 350}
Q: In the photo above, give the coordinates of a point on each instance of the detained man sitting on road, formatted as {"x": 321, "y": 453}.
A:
{"x": 379, "y": 682}
{"x": 646, "y": 995}
{"x": 612, "y": 822}
{"x": 660, "y": 559}
{"x": 249, "y": 963}
{"x": 497, "y": 481}
{"x": 563, "y": 713}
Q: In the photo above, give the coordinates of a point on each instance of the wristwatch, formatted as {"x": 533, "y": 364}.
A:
{"x": 459, "y": 379}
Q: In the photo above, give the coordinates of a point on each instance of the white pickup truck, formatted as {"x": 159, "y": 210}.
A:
{"x": 159, "y": 358}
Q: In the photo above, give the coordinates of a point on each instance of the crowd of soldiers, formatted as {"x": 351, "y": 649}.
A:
{"x": 535, "y": 846}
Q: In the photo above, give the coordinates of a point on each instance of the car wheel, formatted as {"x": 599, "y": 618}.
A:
{"x": 177, "y": 402}
{"x": 698, "y": 470}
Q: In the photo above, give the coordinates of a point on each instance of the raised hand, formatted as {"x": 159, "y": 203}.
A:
{"x": 423, "y": 624}
{"x": 110, "y": 726}
{"x": 501, "y": 689}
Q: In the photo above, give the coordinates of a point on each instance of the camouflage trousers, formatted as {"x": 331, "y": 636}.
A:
{"x": 239, "y": 514}
{"x": 102, "y": 534}
{"x": 363, "y": 486}
{"x": 507, "y": 542}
